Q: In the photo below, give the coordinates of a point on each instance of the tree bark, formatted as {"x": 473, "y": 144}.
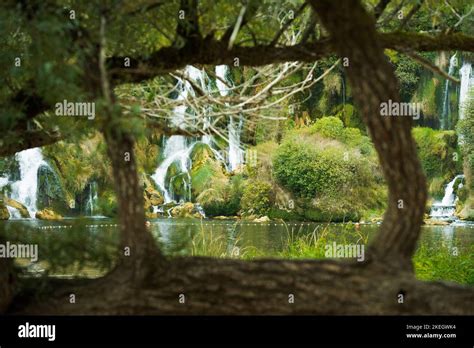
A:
{"x": 225, "y": 286}
{"x": 373, "y": 82}
{"x": 138, "y": 249}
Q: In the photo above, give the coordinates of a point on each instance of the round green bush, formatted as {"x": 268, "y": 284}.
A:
{"x": 329, "y": 127}
{"x": 310, "y": 172}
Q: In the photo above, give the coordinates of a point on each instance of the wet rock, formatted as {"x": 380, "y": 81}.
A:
{"x": 432, "y": 222}
{"x": 221, "y": 217}
{"x": 48, "y": 214}
{"x": 186, "y": 210}
{"x": 17, "y": 205}
{"x": 262, "y": 219}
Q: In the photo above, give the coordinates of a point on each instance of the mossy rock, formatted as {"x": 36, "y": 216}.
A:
{"x": 287, "y": 215}
{"x": 24, "y": 213}
{"x": 48, "y": 214}
{"x": 179, "y": 186}
{"x": 4, "y": 213}
{"x": 200, "y": 154}
{"x": 186, "y": 210}
{"x": 50, "y": 192}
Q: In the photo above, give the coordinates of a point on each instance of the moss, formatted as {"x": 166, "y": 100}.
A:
{"x": 4, "y": 214}
{"x": 437, "y": 152}
{"x": 287, "y": 215}
{"x": 17, "y": 205}
{"x": 223, "y": 198}
{"x": 48, "y": 214}
{"x": 436, "y": 187}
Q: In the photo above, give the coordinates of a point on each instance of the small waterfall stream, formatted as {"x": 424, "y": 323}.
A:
{"x": 446, "y": 208}
{"x": 467, "y": 83}
{"x": 92, "y": 199}
{"x": 25, "y": 189}
{"x": 446, "y": 109}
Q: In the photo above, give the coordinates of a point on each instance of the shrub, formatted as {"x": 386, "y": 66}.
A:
{"x": 329, "y": 127}
{"x": 223, "y": 198}
{"x": 256, "y": 198}
{"x": 435, "y": 150}
{"x": 309, "y": 172}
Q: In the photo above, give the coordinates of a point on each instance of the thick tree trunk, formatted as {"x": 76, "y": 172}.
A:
{"x": 223, "y": 286}
{"x": 138, "y": 249}
{"x": 373, "y": 82}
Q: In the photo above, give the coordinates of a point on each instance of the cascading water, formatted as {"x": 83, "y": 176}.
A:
{"x": 446, "y": 208}
{"x": 467, "y": 82}
{"x": 236, "y": 154}
{"x": 178, "y": 148}
{"x": 14, "y": 213}
{"x": 446, "y": 109}
{"x": 25, "y": 189}
{"x": 92, "y": 199}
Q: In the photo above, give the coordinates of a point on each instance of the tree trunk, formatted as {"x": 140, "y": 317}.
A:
{"x": 138, "y": 249}
{"x": 223, "y": 286}
{"x": 373, "y": 82}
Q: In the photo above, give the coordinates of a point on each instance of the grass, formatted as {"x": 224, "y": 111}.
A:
{"x": 207, "y": 243}
{"x": 445, "y": 263}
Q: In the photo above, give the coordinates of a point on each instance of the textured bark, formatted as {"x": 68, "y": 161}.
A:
{"x": 134, "y": 238}
{"x": 219, "y": 286}
{"x": 213, "y": 52}
{"x": 373, "y": 82}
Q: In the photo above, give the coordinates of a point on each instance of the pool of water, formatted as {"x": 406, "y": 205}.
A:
{"x": 70, "y": 245}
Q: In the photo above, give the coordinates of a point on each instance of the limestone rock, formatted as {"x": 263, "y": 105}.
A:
{"x": 17, "y": 205}
{"x": 48, "y": 214}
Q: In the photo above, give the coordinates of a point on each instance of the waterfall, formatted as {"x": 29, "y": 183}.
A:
{"x": 92, "y": 199}
{"x": 236, "y": 154}
{"x": 3, "y": 181}
{"x": 25, "y": 189}
{"x": 447, "y": 206}
{"x": 14, "y": 213}
{"x": 446, "y": 109}
{"x": 467, "y": 82}
{"x": 178, "y": 148}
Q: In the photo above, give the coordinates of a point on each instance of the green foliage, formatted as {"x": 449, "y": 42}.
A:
{"x": 439, "y": 263}
{"x": 466, "y": 130}
{"x": 436, "y": 151}
{"x": 223, "y": 198}
{"x": 329, "y": 127}
{"x": 309, "y": 171}
{"x": 257, "y": 197}
{"x": 408, "y": 73}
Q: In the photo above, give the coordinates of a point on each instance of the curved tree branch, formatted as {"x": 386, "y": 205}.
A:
{"x": 374, "y": 82}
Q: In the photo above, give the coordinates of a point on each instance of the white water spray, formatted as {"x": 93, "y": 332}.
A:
{"x": 25, "y": 189}
{"x": 446, "y": 208}
{"x": 445, "y": 116}
{"x": 467, "y": 82}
